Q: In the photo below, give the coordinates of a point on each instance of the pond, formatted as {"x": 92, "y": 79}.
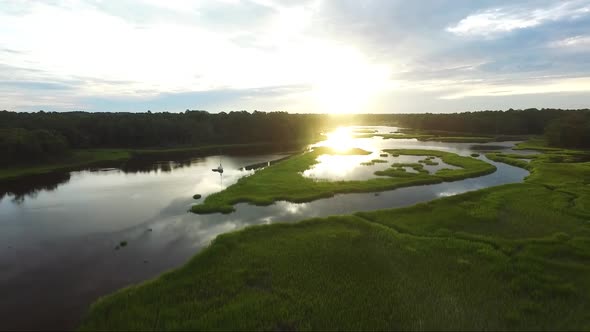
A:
{"x": 61, "y": 234}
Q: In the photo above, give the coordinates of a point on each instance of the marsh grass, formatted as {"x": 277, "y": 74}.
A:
{"x": 507, "y": 159}
{"x": 373, "y": 162}
{"x": 512, "y": 257}
{"x": 428, "y": 161}
{"x": 467, "y": 166}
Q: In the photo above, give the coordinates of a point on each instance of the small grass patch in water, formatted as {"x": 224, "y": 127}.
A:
{"x": 373, "y": 162}
{"x": 428, "y": 161}
{"x": 197, "y": 196}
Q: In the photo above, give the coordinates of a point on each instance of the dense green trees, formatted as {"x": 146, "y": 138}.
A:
{"x": 510, "y": 122}
{"x": 562, "y": 128}
{"x": 572, "y": 131}
{"x": 40, "y": 135}
{"x": 84, "y": 130}
{"x": 18, "y": 144}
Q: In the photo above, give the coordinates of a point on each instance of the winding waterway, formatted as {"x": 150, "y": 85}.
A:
{"x": 61, "y": 234}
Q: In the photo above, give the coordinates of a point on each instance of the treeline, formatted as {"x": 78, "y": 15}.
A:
{"x": 41, "y": 135}
{"x": 563, "y": 128}
{"x": 18, "y": 144}
{"x": 572, "y": 130}
{"x": 37, "y": 136}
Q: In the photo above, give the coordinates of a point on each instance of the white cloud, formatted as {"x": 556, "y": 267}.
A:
{"x": 500, "y": 20}
{"x": 572, "y": 42}
{"x": 563, "y": 85}
{"x": 80, "y": 41}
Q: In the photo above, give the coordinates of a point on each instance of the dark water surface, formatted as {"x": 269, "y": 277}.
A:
{"x": 59, "y": 233}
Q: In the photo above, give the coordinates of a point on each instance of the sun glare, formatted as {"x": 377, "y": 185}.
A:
{"x": 340, "y": 140}
{"x": 345, "y": 82}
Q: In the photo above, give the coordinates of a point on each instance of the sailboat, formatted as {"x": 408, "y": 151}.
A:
{"x": 219, "y": 168}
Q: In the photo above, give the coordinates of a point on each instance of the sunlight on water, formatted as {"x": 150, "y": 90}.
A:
{"x": 353, "y": 167}
{"x": 336, "y": 167}
{"x": 340, "y": 139}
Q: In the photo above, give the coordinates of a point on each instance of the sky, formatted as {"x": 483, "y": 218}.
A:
{"x": 321, "y": 56}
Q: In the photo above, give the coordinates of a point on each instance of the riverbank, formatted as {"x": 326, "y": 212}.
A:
{"x": 285, "y": 181}
{"x": 90, "y": 157}
{"x": 510, "y": 257}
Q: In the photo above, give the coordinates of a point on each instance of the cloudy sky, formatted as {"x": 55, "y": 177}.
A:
{"x": 294, "y": 55}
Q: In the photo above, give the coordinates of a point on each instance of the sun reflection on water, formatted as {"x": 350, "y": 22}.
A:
{"x": 340, "y": 139}
{"x": 335, "y": 167}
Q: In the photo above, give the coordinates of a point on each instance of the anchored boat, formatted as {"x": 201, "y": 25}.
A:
{"x": 219, "y": 169}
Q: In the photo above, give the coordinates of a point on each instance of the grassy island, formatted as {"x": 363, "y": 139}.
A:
{"x": 284, "y": 180}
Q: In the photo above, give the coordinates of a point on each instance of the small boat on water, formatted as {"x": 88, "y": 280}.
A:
{"x": 219, "y": 169}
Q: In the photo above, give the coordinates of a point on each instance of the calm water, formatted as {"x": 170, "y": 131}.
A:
{"x": 59, "y": 233}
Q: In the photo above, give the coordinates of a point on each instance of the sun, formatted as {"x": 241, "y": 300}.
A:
{"x": 345, "y": 82}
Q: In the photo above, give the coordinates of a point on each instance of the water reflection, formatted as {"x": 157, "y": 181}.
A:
{"x": 141, "y": 166}
{"x": 107, "y": 176}
{"x": 30, "y": 186}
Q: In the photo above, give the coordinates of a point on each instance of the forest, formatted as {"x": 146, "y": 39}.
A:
{"x": 33, "y": 137}
{"x": 561, "y": 128}
{"x": 37, "y": 136}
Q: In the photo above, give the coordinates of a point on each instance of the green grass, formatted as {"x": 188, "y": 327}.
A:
{"x": 429, "y": 161}
{"x": 468, "y": 167}
{"x": 513, "y": 257}
{"x": 535, "y": 144}
{"x": 510, "y": 159}
{"x": 284, "y": 181}
{"x": 373, "y": 162}
{"x": 399, "y": 170}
